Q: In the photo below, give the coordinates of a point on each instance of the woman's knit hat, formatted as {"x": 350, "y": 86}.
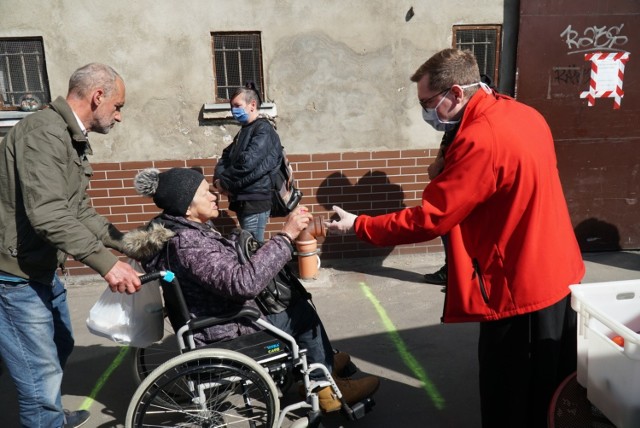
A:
{"x": 172, "y": 190}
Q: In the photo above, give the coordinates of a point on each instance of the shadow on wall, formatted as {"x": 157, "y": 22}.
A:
{"x": 597, "y": 235}
{"x": 373, "y": 194}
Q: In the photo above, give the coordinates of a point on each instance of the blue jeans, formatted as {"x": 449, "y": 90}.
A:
{"x": 35, "y": 343}
{"x": 303, "y": 323}
{"x": 255, "y": 223}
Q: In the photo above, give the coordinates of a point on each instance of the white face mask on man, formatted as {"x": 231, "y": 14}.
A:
{"x": 430, "y": 115}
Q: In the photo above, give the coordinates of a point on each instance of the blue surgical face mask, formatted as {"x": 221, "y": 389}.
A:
{"x": 430, "y": 115}
{"x": 240, "y": 115}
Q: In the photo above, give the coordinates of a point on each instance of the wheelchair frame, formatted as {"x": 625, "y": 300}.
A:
{"x": 229, "y": 383}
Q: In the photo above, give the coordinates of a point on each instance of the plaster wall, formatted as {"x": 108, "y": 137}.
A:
{"x": 338, "y": 71}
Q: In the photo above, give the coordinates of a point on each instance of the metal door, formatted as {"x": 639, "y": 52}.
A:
{"x": 578, "y": 63}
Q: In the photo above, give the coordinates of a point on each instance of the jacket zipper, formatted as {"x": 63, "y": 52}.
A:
{"x": 476, "y": 272}
{"x": 444, "y": 307}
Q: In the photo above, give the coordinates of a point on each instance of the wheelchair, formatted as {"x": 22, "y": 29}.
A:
{"x": 233, "y": 383}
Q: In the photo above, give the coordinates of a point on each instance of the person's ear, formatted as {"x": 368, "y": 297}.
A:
{"x": 458, "y": 92}
{"x": 97, "y": 97}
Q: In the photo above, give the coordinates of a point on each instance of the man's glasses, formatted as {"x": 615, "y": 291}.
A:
{"x": 426, "y": 102}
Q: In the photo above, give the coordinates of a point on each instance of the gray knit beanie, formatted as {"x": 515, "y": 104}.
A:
{"x": 172, "y": 190}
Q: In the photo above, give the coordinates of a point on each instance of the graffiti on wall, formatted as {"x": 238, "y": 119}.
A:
{"x": 602, "y": 47}
{"x": 594, "y": 38}
{"x": 570, "y": 75}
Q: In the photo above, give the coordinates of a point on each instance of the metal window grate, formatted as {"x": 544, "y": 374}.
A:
{"x": 484, "y": 42}
{"x": 22, "y": 71}
{"x": 237, "y": 59}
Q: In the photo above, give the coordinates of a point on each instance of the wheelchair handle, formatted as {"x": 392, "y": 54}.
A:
{"x": 152, "y": 276}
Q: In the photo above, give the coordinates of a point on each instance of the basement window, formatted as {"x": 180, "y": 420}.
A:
{"x": 237, "y": 59}
{"x": 23, "y": 74}
{"x": 484, "y": 42}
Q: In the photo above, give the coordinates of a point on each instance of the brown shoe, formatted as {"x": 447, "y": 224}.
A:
{"x": 355, "y": 390}
{"x": 340, "y": 361}
{"x": 328, "y": 400}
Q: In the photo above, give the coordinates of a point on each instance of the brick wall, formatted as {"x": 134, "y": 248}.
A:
{"x": 361, "y": 182}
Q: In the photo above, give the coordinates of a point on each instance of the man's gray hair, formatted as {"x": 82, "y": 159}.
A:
{"x": 93, "y": 76}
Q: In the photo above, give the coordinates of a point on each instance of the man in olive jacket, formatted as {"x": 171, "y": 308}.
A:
{"x": 45, "y": 214}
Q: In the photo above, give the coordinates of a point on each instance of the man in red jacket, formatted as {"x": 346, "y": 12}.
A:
{"x": 512, "y": 251}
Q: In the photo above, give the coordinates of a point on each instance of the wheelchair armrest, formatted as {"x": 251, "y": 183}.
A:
{"x": 204, "y": 322}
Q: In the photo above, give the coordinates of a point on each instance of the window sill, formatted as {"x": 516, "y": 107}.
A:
{"x": 8, "y": 118}
{"x": 222, "y": 111}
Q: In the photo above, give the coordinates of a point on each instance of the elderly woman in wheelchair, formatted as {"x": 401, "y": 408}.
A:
{"x": 217, "y": 304}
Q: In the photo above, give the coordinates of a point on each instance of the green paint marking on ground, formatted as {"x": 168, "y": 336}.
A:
{"x": 86, "y": 405}
{"x": 401, "y": 347}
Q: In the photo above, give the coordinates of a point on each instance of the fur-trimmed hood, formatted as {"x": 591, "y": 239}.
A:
{"x": 143, "y": 244}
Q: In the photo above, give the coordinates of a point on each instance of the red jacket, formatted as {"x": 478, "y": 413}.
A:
{"x": 512, "y": 247}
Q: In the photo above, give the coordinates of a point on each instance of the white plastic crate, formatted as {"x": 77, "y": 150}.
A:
{"x": 610, "y": 373}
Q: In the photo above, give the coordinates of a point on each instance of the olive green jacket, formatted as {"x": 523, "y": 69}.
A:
{"x": 45, "y": 211}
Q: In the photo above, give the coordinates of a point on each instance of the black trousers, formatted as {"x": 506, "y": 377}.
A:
{"x": 522, "y": 361}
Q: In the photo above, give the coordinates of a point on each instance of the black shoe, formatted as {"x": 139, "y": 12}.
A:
{"x": 438, "y": 278}
{"x": 75, "y": 419}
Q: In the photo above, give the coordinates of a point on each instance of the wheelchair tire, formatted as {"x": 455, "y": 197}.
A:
{"x": 206, "y": 387}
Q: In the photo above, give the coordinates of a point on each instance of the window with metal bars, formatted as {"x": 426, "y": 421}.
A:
{"x": 237, "y": 59}
{"x": 23, "y": 72}
{"x": 484, "y": 42}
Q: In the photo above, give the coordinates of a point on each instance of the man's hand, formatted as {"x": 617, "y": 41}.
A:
{"x": 122, "y": 278}
{"x": 344, "y": 225}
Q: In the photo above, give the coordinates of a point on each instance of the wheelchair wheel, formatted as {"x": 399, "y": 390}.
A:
{"x": 206, "y": 388}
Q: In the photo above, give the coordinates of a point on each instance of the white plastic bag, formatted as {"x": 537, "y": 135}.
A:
{"x": 129, "y": 319}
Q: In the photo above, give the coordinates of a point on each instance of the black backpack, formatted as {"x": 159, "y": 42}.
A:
{"x": 284, "y": 290}
{"x": 285, "y": 196}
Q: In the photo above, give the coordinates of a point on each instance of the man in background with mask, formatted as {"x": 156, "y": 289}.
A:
{"x": 512, "y": 253}
{"x": 243, "y": 171}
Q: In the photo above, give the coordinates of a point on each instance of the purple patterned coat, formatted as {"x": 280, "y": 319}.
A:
{"x": 211, "y": 276}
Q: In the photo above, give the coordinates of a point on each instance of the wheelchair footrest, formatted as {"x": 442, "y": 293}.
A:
{"x": 359, "y": 409}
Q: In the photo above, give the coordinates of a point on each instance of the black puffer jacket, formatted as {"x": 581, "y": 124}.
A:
{"x": 246, "y": 164}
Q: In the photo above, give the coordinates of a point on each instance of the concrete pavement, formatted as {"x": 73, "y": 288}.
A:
{"x": 378, "y": 310}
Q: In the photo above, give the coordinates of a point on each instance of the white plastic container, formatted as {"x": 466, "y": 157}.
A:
{"x": 609, "y": 372}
